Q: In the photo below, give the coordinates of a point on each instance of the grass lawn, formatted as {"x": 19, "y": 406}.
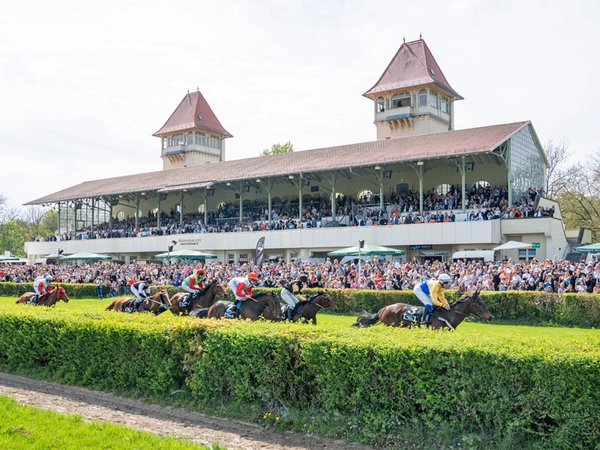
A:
{"x": 26, "y": 427}
{"x": 337, "y": 321}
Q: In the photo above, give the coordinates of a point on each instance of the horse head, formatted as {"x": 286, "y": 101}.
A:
{"x": 324, "y": 300}
{"x": 270, "y": 301}
{"x": 475, "y": 305}
{"x": 219, "y": 289}
{"x": 62, "y": 294}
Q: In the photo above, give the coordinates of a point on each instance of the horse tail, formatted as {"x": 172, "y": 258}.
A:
{"x": 111, "y": 306}
{"x": 366, "y": 319}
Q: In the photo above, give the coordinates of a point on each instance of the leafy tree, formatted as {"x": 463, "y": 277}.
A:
{"x": 277, "y": 149}
{"x": 13, "y": 237}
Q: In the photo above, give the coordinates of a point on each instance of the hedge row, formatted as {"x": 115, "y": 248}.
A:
{"x": 366, "y": 384}
{"x": 515, "y": 306}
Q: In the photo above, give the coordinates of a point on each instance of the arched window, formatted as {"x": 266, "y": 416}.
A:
{"x": 444, "y": 104}
{"x": 482, "y": 184}
{"x": 177, "y": 139}
{"x": 215, "y": 142}
{"x": 401, "y": 100}
{"x": 443, "y": 189}
{"x": 121, "y": 215}
{"x": 365, "y": 196}
{"x": 201, "y": 208}
{"x": 200, "y": 139}
{"x": 422, "y": 97}
{"x": 379, "y": 105}
{"x": 433, "y": 99}
{"x": 165, "y": 142}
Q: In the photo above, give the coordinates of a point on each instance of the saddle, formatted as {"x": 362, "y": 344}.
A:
{"x": 231, "y": 312}
{"x": 413, "y": 314}
{"x": 187, "y": 300}
{"x": 128, "y": 305}
{"x": 32, "y": 299}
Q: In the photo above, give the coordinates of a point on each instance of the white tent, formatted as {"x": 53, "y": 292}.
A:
{"x": 513, "y": 245}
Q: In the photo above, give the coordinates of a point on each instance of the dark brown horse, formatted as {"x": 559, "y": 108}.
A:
{"x": 401, "y": 314}
{"x": 50, "y": 299}
{"x": 306, "y": 311}
{"x": 201, "y": 301}
{"x": 265, "y": 304}
{"x": 155, "y": 304}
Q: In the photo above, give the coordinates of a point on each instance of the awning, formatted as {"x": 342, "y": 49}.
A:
{"x": 512, "y": 245}
{"x": 486, "y": 255}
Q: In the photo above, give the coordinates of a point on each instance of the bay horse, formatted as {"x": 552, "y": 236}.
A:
{"x": 155, "y": 304}
{"x": 50, "y": 299}
{"x": 204, "y": 300}
{"x": 307, "y": 310}
{"x": 265, "y": 304}
{"x": 401, "y": 314}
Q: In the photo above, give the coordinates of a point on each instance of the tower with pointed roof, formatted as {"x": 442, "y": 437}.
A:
{"x": 412, "y": 96}
{"x": 192, "y": 135}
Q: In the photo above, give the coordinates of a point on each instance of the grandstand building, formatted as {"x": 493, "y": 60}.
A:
{"x": 421, "y": 186}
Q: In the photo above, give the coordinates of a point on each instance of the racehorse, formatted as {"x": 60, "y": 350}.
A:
{"x": 53, "y": 296}
{"x": 200, "y": 301}
{"x": 265, "y": 304}
{"x": 306, "y": 311}
{"x": 401, "y": 314}
{"x": 155, "y": 304}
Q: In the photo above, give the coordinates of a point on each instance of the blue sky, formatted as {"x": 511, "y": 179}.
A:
{"x": 83, "y": 88}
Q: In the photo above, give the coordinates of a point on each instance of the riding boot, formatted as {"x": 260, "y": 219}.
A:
{"x": 290, "y": 312}
{"x": 136, "y": 305}
{"x": 427, "y": 316}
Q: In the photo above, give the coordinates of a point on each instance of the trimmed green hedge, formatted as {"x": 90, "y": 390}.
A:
{"x": 367, "y": 385}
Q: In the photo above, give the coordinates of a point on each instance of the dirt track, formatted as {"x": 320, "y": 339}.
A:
{"x": 94, "y": 405}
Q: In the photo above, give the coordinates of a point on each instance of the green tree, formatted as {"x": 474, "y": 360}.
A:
{"x": 13, "y": 237}
{"x": 277, "y": 149}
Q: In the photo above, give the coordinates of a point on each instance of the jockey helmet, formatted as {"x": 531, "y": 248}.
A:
{"x": 444, "y": 278}
{"x": 303, "y": 278}
{"x": 49, "y": 278}
{"x": 200, "y": 272}
{"x": 252, "y": 276}
{"x": 148, "y": 280}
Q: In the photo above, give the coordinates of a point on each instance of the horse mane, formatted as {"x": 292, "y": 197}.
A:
{"x": 466, "y": 296}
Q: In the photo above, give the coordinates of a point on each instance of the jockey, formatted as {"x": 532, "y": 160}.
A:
{"x": 242, "y": 290}
{"x": 291, "y": 294}
{"x": 193, "y": 284}
{"x": 431, "y": 292}
{"x": 141, "y": 290}
{"x": 41, "y": 286}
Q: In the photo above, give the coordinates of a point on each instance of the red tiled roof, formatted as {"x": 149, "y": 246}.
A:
{"x": 404, "y": 149}
{"x": 193, "y": 113}
{"x": 413, "y": 65}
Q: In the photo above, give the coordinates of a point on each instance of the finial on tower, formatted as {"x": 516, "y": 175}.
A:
{"x": 420, "y": 36}
{"x": 404, "y": 39}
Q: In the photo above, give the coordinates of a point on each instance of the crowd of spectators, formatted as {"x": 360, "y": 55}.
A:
{"x": 556, "y": 275}
{"x": 481, "y": 203}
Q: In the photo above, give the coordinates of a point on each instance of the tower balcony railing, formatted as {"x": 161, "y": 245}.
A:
{"x": 411, "y": 111}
